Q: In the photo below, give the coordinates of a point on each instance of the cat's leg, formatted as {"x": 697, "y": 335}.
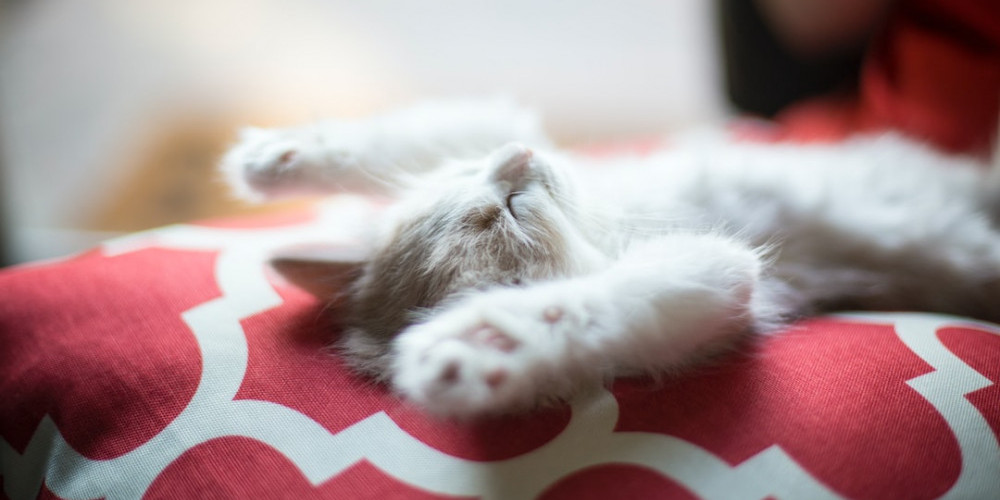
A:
{"x": 369, "y": 155}
{"x": 662, "y": 305}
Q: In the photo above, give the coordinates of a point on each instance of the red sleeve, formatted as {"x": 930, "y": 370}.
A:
{"x": 933, "y": 73}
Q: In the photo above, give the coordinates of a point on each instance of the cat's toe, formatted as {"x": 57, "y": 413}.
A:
{"x": 265, "y": 155}
{"x": 271, "y": 166}
{"x": 490, "y": 336}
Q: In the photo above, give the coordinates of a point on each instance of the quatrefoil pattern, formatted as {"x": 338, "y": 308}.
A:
{"x": 173, "y": 363}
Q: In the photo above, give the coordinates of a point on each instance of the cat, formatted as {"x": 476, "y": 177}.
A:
{"x": 507, "y": 274}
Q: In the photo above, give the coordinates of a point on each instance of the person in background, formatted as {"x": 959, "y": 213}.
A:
{"x": 823, "y": 69}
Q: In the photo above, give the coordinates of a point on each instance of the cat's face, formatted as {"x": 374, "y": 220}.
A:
{"x": 505, "y": 220}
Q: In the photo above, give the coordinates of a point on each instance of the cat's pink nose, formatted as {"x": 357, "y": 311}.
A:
{"x": 512, "y": 162}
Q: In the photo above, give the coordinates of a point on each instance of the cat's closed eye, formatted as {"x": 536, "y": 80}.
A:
{"x": 512, "y": 204}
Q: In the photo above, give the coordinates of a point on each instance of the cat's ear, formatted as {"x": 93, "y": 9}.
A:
{"x": 324, "y": 271}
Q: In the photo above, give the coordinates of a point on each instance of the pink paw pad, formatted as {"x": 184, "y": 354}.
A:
{"x": 552, "y": 314}
{"x": 490, "y": 336}
{"x": 495, "y": 378}
{"x": 287, "y": 157}
{"x": 450, "y": 373}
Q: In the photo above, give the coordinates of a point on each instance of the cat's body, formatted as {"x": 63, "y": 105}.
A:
{"x": 505, "y": 275}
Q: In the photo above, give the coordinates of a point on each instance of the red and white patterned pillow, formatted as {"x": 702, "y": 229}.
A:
{"x": 175, "y": 364}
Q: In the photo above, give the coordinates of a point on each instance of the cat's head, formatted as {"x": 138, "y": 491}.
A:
{"x": 504, "y": 220}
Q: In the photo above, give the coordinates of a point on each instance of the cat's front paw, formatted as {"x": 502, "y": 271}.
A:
{"x": 274, "y": 162}
{"x": 497, "y": 354}
{"x": 472, "y": 371}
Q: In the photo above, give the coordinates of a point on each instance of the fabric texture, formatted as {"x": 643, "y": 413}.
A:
{"x": 175, "y": 364}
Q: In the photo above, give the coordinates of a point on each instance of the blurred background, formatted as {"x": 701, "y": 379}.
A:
{"x": 113, "y": 113}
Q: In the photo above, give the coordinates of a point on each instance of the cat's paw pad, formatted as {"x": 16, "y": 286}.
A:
{"x": 503, "y": 351}
{"x": 475, "y": 369}
{"x": 488, "y": 335}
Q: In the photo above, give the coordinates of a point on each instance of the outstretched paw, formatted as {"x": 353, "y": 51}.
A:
{"x": 469, "y": 372}
{"x": 490, "y": 356}
{"x": 271, "y": 162}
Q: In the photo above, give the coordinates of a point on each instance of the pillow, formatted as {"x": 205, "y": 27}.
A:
{"x": 174, "y": 364}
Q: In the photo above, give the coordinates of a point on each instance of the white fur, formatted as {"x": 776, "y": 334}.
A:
{"x": 369, "y": 155}
{"x": 667, "y": 257}
{"x": 560, "y": 335}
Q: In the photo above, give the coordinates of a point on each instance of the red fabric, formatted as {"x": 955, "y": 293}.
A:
{"x": 99, "y": 345}
{"x": 933, "y": 73}
{"x": 109, "y": 347}
{"x": 265, "y": 473}
{"x": 617, "y": 481}
{"x": 854, "y": 382}
{"x": 967, "y": 344}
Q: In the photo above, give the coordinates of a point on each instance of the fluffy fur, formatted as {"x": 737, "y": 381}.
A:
{"x": 507, "y": 273}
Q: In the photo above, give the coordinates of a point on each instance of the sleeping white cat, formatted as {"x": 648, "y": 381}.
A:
{"x": 507, "y": 273}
